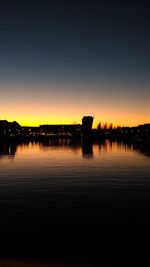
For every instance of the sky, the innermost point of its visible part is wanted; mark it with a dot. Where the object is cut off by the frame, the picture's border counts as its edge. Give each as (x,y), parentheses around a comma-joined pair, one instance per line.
(61,60)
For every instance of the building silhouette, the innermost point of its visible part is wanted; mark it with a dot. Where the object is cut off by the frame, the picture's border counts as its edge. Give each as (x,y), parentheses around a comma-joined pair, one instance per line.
(87,122)
(68,129)
(9,128)
(60,129)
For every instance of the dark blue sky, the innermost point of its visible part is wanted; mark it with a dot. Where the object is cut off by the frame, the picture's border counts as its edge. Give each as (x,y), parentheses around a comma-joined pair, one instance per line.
(95,52)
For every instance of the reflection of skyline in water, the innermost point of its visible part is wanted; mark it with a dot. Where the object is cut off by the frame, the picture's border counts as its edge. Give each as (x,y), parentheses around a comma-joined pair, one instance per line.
(71,183)
(10,150)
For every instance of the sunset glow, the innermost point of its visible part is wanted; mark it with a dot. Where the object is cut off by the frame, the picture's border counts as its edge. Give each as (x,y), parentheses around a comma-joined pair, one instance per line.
(32,106)
(55,72)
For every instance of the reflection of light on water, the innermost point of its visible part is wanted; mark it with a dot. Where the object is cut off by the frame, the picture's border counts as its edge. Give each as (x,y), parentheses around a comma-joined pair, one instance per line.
(29,147)
(66,149)
(112,147)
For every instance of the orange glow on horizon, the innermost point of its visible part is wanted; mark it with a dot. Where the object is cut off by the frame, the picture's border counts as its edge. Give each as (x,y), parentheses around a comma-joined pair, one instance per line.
(35,115)
(37,109)
(39,120)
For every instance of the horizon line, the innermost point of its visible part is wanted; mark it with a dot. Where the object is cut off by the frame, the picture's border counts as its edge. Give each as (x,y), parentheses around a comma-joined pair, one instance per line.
(103,123)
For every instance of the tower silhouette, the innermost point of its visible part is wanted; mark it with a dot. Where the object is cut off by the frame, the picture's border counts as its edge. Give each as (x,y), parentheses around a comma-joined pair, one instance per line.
(87,122)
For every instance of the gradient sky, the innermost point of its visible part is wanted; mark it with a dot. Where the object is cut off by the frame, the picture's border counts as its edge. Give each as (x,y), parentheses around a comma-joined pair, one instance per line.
(60,60)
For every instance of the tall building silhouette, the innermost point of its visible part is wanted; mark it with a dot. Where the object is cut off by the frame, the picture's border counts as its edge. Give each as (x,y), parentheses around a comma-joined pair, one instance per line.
(87,122)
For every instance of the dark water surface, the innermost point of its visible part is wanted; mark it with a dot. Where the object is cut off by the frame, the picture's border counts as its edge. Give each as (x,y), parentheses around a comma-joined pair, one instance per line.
(67,201)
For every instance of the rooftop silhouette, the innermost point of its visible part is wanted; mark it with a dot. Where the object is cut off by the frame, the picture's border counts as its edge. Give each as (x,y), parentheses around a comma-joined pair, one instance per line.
(12,130)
